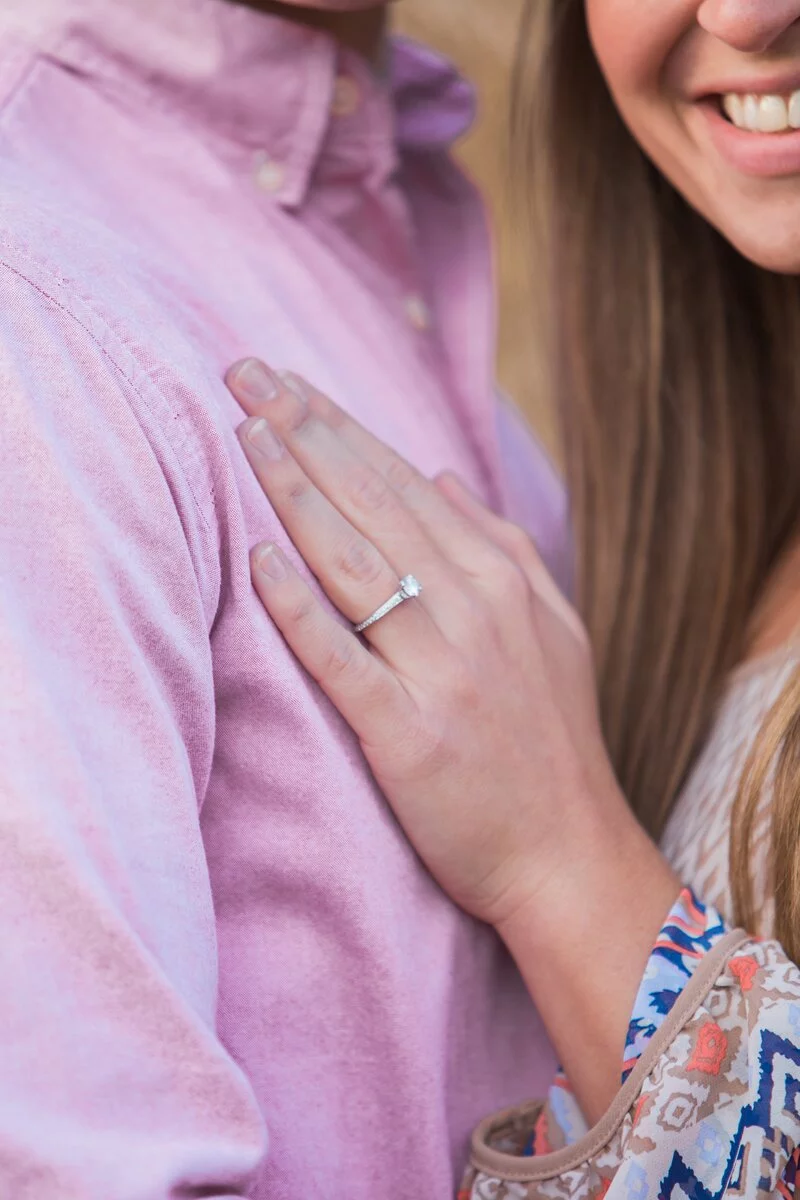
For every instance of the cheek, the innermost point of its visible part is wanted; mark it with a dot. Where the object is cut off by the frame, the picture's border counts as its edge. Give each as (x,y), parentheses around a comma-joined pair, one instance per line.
(635,40)
(642,47)
(647,51)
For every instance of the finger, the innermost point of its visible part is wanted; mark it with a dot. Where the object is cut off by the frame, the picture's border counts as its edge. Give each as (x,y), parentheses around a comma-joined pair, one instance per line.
(362,497)
(338,452)
(352,571)
(514,542)
(369,697)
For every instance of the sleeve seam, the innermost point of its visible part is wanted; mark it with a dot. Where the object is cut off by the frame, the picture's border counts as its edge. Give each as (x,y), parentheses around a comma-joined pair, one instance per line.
(117,367)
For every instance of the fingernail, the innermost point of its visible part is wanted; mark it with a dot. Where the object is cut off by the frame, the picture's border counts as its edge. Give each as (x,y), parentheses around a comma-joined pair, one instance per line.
(266,443)
(255,381)
(269,561)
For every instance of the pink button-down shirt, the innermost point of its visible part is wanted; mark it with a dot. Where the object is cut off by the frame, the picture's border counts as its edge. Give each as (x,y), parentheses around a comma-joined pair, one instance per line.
(224,971)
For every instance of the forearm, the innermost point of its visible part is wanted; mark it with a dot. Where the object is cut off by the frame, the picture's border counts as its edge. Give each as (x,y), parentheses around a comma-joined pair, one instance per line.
(709,1106)
(583,939)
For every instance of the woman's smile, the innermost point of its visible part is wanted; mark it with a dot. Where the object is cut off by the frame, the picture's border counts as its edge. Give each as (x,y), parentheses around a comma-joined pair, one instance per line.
(756,135)
(754,120)
(770,113)
(712,94)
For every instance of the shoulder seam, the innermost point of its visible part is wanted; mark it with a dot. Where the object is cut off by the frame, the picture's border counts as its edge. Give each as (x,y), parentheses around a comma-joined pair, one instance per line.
(126,376)
(208,581)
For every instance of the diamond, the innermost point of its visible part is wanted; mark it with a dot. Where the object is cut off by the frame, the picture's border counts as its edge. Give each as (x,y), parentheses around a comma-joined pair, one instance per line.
(410,587)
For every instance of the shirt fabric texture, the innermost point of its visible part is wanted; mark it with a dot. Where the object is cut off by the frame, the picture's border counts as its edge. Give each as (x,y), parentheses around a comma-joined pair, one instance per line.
(225,972)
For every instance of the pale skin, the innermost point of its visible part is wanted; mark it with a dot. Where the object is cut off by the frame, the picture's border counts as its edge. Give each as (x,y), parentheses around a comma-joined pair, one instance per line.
(661,60)
(475,708)
(475,704)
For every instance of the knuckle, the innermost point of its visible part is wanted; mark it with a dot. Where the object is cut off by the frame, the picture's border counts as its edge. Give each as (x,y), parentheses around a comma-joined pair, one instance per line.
(510,582)
(298,420)
(340,659)
(521,549)
(432,752)
(479,624)
(302,610)
(369,491)
(462,685)
(400,475)
(359,563)
(423,744)
(517,541)
(477,618)
(334,416)
(296,493)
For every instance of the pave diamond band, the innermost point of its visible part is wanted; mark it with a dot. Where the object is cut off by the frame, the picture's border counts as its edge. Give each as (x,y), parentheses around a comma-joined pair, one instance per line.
(409,589)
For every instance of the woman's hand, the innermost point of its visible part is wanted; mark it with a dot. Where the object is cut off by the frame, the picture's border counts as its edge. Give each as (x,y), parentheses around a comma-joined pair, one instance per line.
(475,704)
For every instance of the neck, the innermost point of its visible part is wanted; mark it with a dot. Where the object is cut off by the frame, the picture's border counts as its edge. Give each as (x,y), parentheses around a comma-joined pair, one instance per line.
(361,31)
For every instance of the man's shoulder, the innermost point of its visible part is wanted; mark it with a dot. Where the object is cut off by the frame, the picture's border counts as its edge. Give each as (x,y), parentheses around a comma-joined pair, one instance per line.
(81,370)
(86,268)
(74,291)
(92,275)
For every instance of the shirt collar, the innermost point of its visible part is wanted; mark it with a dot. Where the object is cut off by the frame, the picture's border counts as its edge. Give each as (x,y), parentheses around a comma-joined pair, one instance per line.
(434,104)
(261,83)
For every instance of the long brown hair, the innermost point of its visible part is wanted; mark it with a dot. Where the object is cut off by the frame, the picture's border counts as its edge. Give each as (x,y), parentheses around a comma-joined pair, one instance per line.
(674,365)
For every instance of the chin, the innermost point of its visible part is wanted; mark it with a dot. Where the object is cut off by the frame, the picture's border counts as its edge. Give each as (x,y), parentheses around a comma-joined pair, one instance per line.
(767,235)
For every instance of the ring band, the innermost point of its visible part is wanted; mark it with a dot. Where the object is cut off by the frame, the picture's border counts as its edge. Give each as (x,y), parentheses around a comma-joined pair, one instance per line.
(409,589)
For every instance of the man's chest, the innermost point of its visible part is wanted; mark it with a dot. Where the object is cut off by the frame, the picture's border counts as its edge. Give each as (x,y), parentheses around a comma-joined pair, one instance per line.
(369,1015)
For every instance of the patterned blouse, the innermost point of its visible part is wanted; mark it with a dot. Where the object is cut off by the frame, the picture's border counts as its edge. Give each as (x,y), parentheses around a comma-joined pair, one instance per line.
(709,1102)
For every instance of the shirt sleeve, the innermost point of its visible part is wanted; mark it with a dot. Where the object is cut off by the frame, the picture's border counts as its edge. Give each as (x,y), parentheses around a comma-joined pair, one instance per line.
(709,1098)
(113,1084)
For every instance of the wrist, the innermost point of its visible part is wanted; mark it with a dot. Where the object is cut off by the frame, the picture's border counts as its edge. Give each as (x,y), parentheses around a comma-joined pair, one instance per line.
(582,933)
(587,882)
(587,835)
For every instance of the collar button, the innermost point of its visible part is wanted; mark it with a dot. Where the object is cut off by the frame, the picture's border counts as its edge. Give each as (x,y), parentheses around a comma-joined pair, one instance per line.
(270,175)
(418,314)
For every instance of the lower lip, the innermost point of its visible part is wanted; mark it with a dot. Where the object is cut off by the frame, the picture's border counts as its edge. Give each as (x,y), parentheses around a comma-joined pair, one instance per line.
(764,154)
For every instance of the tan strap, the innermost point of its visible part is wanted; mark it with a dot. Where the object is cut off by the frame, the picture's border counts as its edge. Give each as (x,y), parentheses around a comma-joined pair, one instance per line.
(513,1168)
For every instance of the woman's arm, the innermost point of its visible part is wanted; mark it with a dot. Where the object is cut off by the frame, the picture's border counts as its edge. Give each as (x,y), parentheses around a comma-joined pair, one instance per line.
(583,940)
(709,1104)
(475,706)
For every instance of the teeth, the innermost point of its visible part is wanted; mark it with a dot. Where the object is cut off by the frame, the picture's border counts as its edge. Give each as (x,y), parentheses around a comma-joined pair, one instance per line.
(773,115)
(751,113)
(794,111)
(763,114)
(734,108)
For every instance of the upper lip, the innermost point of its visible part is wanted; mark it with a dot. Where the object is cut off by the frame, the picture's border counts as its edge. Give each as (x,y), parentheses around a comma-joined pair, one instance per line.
(768,85)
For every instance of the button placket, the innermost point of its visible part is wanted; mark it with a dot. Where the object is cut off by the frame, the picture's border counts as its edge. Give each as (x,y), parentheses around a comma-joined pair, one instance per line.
(346,97)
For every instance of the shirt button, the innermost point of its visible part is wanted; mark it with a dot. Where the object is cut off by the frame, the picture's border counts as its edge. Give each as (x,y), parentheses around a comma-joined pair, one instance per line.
(418,313)
(346,97)
(270,175)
